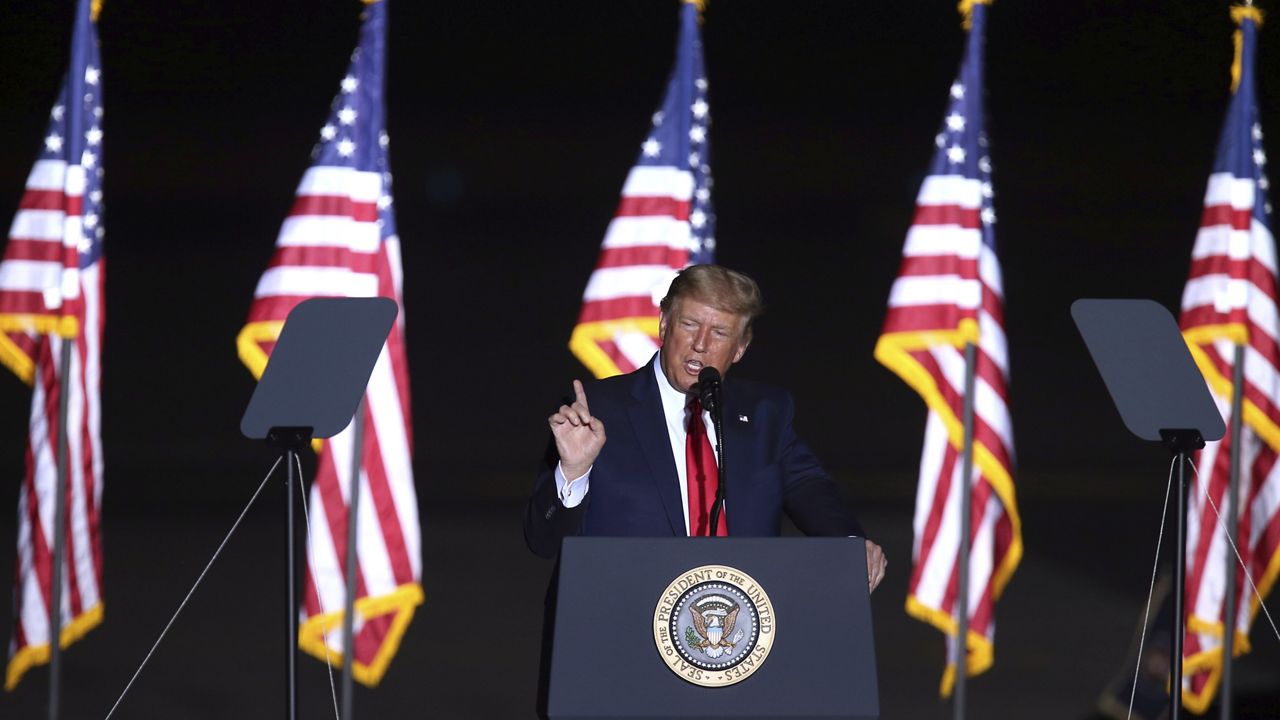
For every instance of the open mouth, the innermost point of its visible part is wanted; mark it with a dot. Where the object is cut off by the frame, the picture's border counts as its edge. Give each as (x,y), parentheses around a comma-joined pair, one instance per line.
(693,367)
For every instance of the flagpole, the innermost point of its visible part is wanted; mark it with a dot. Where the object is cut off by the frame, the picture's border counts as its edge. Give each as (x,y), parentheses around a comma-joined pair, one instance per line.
(353,519)
(67,345)
(961,653)
(73,152)
(1233,522)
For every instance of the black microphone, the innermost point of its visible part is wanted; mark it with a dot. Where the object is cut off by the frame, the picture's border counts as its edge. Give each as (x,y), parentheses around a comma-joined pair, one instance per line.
(709,389)
(709,395)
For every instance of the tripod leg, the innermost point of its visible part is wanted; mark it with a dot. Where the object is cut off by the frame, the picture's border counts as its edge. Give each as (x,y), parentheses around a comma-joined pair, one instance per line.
(291,573)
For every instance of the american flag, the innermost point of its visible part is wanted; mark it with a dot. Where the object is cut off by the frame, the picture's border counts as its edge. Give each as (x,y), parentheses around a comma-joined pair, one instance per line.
(664,222)
(1230,298)
(340,240)
(51,292)
(948,293)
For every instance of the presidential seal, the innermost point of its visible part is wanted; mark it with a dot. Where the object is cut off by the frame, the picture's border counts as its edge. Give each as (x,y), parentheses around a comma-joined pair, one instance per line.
(714,626)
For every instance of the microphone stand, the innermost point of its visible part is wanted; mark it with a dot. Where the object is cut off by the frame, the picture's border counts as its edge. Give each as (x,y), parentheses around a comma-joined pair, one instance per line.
(717,506)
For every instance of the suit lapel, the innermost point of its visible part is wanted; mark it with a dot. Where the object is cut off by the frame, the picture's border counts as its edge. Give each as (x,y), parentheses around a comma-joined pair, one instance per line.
(650,426)
(736,439)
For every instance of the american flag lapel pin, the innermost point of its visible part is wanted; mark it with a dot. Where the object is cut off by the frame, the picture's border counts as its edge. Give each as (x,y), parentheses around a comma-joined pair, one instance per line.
(743,418)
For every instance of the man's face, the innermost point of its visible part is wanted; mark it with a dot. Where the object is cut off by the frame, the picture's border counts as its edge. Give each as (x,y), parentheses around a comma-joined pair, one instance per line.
(694,336)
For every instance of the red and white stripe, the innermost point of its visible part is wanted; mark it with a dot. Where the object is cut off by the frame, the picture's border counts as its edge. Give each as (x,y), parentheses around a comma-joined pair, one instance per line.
(646,244)
(40,277)
(329,246)
(1232,284)
(949,280)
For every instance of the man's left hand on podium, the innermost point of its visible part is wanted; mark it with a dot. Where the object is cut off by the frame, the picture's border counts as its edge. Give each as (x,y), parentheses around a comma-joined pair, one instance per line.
(876,565)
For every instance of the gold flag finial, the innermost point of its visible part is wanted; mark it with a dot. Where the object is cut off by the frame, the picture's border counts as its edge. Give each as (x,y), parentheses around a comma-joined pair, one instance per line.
(701,5)
(95,9)
(966,11)
(1240,13)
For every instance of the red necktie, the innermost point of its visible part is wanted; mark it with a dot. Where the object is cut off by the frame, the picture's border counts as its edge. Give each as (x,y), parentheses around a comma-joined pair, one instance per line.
(702,474)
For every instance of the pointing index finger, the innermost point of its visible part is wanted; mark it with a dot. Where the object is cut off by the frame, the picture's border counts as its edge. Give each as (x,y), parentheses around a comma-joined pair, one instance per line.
(580,395)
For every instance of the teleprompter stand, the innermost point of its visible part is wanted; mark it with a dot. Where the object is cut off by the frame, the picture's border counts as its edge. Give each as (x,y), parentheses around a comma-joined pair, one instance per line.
(1161,397)
(310,389)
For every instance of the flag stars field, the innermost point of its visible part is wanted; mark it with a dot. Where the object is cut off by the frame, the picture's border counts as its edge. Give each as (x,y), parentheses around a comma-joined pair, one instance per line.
(328,132)
(651,147)
(53,143)
(349,84)
(955,122)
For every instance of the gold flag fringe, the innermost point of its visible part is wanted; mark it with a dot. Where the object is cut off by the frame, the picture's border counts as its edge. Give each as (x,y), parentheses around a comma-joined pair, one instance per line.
(966,10)
(1240,13)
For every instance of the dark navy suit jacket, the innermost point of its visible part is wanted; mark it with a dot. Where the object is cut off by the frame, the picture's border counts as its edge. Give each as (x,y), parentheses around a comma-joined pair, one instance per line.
(634,487)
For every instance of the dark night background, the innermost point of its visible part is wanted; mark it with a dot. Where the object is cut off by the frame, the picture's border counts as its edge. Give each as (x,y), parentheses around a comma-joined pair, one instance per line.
(513,126)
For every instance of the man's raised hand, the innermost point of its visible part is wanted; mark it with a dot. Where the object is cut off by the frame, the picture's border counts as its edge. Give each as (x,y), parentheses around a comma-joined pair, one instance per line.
(579,436)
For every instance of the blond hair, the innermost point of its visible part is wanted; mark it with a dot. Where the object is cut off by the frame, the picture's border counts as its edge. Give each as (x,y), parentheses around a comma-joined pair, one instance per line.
(721,288)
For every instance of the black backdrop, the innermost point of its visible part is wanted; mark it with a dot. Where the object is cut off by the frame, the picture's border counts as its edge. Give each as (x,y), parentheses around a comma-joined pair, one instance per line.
(512,126)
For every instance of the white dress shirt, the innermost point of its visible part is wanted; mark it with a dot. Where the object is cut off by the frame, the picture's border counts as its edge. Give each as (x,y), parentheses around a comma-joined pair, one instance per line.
(675,410)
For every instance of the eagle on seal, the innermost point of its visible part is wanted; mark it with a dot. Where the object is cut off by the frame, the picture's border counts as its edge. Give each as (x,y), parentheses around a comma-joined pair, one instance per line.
(713,619)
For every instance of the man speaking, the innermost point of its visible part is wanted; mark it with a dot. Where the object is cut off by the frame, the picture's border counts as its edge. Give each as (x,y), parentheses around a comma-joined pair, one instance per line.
(655,472)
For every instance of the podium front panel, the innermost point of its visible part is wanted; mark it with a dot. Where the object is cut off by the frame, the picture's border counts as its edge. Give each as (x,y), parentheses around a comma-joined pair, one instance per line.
(606,658)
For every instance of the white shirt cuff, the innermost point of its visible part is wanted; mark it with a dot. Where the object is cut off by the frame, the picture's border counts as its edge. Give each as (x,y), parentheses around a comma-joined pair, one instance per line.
(571,492)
